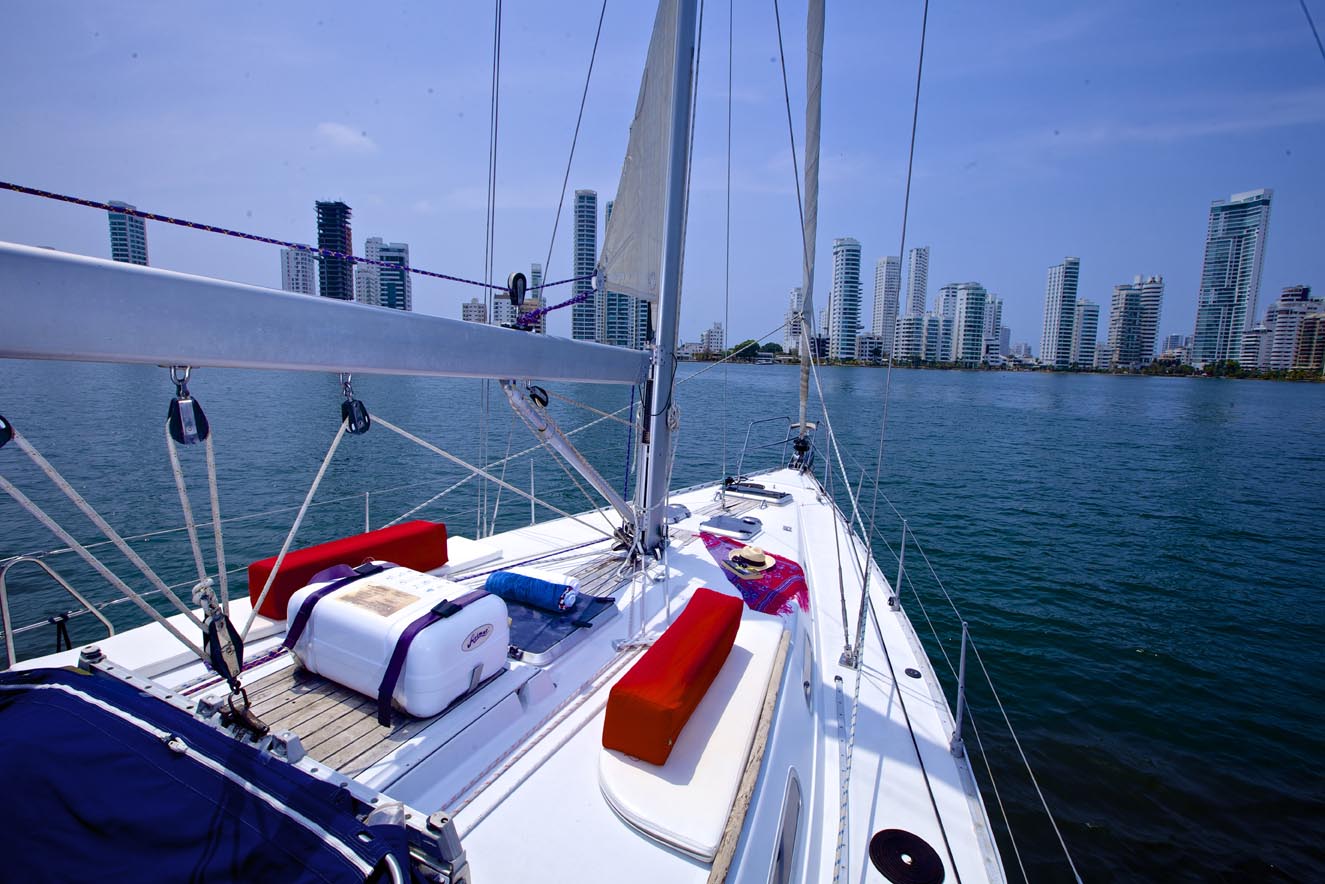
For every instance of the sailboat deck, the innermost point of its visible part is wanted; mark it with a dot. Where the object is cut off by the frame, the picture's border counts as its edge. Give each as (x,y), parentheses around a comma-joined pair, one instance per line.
(521,754)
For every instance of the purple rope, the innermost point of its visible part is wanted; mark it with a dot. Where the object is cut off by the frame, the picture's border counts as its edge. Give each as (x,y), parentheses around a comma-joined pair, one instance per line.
(528,319)
(327,253)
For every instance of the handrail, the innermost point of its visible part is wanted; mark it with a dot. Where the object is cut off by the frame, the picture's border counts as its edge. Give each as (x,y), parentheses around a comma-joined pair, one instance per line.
(750,428)
(10,656)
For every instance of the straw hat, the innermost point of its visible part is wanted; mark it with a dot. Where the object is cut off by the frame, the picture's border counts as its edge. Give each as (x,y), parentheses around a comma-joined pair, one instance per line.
(750,558)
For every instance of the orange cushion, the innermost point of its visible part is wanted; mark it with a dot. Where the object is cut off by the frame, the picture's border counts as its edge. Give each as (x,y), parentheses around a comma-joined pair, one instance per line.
(419,545)
(649,706)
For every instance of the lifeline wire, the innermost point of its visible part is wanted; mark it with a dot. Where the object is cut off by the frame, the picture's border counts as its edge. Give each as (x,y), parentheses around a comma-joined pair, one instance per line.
(300,247)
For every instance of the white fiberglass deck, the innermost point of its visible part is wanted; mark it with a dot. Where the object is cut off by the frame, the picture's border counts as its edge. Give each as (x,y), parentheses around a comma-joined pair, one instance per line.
(518,763)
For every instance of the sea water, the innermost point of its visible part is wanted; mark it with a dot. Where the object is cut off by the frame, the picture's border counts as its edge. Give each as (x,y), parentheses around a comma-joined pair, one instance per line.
(1138,559)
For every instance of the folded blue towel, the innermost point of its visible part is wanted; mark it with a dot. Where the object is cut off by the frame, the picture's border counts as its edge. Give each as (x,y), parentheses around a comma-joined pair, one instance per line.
(531,591)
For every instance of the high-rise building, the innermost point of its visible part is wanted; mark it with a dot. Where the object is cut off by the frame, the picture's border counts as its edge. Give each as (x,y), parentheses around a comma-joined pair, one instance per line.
(128,236)
(712,340)
(1256,345)
(1272,344)
(1004,336)
(298,272)
(584,324)
(1152,303)
(1310,354)
(969,303)
(1134,320)
(1230,274)
(945,303)
(1086,330)
(335,276)
(844,300)
(1173,343)
(1060,310)
(396,290)
(917,281)
(474,310)
(791,330)
(909,343)
(368,277)
(994,348)
(937,338)
(887,291)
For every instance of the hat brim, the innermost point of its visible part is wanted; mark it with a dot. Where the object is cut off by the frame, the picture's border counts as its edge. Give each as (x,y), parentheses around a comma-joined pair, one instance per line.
(742,564)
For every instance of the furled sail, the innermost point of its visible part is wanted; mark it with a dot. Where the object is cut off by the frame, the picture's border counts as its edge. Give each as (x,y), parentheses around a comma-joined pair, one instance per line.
(814,82)
(632,245)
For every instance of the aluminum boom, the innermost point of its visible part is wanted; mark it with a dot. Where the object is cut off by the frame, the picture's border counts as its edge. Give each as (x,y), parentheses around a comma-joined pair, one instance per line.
(61,306)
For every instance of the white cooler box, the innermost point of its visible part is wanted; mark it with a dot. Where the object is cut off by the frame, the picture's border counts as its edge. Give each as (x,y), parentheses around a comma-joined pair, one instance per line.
(353,631)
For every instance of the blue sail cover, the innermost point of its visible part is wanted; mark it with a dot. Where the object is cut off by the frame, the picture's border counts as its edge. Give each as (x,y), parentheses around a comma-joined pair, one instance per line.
(93,792)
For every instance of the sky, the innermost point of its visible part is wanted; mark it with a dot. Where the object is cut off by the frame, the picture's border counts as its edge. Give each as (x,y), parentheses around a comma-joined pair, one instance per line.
(1045,129)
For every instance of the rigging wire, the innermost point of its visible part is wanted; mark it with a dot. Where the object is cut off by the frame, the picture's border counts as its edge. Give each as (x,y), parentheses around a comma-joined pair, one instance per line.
(565,180)
(727,259)
(489,231)
(1312,24)
(901,252)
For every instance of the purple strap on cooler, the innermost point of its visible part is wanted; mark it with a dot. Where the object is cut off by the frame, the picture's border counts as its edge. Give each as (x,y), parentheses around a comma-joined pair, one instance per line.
(306,609)
(397,664)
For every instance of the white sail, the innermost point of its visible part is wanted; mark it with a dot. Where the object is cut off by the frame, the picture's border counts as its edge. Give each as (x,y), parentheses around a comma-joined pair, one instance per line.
(814,82)
(632,245)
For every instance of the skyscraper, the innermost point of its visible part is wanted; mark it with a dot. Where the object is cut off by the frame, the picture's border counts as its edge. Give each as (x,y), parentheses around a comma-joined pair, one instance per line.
(1060,309)
(584,315)
(995,348)
(968,323)
(1134,321)
(791,334)
(396,290)
(1085,333)
(945,303)
(887,292)
(1284,320)
(1230,274)
(1152,303)
(298,271)
(917,281)
(368,277)
(128,236)
(335,276)
(844,300)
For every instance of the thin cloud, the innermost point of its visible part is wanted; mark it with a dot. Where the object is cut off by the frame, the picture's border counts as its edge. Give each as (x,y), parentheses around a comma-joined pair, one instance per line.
(345,138)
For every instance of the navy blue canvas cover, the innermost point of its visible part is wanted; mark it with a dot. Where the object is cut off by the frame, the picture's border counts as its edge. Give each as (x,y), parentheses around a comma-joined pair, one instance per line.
(93,792)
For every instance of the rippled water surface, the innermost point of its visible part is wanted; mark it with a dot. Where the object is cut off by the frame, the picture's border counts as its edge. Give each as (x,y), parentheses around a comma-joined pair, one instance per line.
(1139,559)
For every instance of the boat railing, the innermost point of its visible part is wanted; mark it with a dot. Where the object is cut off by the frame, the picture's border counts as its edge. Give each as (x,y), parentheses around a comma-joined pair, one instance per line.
(100,610)
(903,553)
(60,621)
(782,443)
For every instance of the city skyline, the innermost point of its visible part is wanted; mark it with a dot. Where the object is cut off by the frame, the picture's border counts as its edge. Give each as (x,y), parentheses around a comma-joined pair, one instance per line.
(1066,166)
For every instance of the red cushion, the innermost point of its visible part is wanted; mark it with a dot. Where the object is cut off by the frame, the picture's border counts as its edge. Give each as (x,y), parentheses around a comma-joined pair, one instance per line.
(419,545)
(649,706)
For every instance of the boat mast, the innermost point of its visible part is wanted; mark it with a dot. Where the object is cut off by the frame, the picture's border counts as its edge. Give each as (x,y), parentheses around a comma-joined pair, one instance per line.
(814,77)
(658,427)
